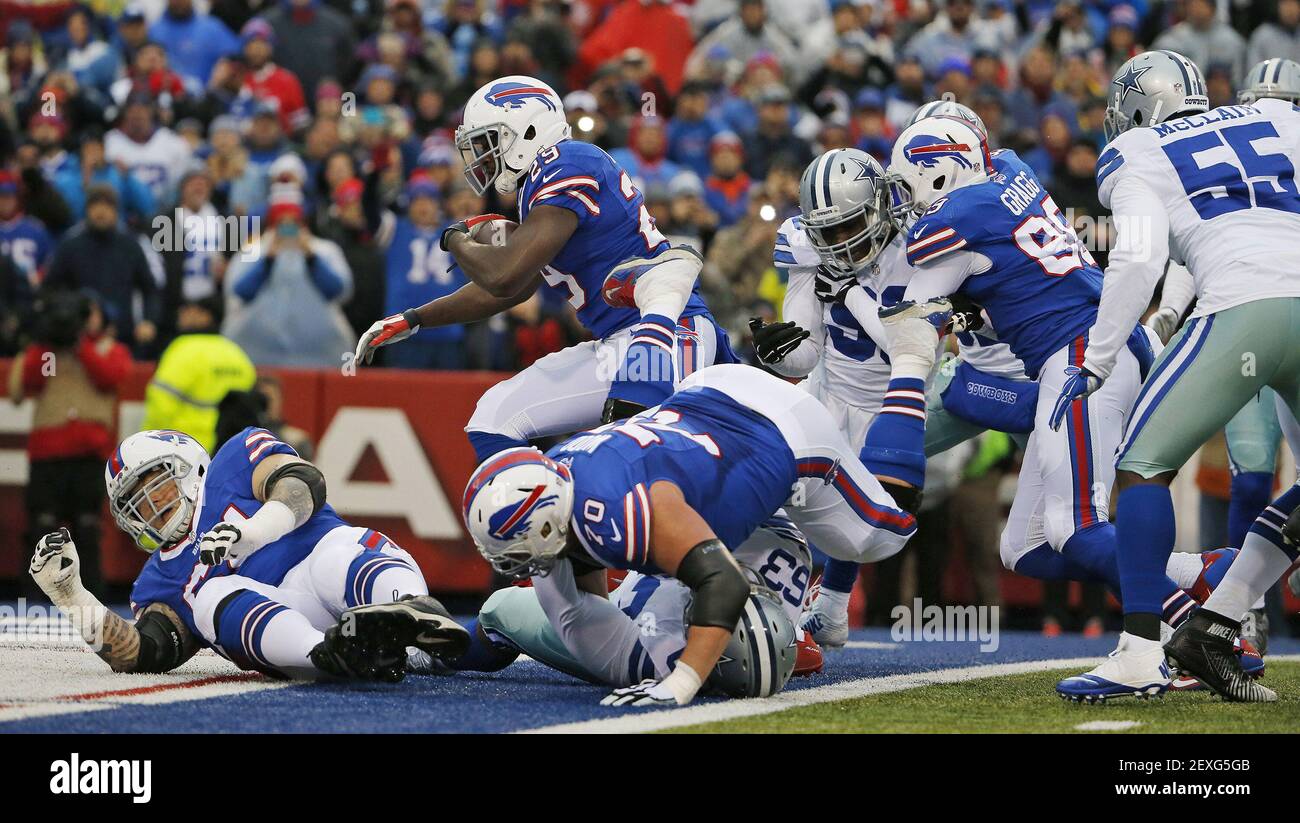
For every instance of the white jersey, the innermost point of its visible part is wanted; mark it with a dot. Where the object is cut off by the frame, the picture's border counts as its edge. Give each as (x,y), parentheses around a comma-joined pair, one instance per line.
(1226,180)
(846,353)
(158,162)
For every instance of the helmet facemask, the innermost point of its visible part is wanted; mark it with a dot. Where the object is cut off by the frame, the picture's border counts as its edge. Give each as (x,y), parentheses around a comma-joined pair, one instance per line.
(483,150)
(850,240)
(154,515)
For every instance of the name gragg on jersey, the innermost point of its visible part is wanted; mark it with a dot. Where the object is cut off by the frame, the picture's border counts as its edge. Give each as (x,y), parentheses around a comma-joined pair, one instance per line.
(1021,193)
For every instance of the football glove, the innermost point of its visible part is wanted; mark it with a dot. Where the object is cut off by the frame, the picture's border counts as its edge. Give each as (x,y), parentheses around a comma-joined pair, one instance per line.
(222,542)
(385,332)
(55,566)
(1081,383)
(966,314)
(465,227)
(830,285)
(646,693)
(1164,323)
(774,341)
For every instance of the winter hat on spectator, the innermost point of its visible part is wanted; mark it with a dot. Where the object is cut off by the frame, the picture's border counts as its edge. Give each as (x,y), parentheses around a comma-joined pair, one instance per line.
(348,192)
(1123,15)
(133,13)
(954,63)
(869,99)
(20,31)
(257,29)
(373,72)
(437,151)
(8,183)
(285,166)
(285,201)
(101,193)
(773,94)
(421,185)
(685,184)
(328,90)
(223,122)
(726,140)
(580,100)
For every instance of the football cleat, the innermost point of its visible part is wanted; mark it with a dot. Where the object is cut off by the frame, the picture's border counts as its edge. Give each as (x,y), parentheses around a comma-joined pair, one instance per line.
(826,624)
(373,639)
(808,658)
(1205,647)
(338,655)
(1133,669)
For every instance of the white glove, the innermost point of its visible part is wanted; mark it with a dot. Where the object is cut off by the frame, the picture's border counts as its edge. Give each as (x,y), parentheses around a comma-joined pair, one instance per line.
(1164,323)
(677,689)
(384,332)
(56,568)
(225,541)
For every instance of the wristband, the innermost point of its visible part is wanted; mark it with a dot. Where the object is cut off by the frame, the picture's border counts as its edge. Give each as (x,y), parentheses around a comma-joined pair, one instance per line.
(684,682)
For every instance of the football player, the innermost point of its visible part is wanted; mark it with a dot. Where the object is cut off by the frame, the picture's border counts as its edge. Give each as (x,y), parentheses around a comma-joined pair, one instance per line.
(246,558)
(1215,189)
(672,489)
(585,233)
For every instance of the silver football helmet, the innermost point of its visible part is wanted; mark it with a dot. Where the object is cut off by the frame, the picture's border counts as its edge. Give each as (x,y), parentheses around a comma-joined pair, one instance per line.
(1150,89)
(760,656)
(947,108)
(1276,77)
(846,208)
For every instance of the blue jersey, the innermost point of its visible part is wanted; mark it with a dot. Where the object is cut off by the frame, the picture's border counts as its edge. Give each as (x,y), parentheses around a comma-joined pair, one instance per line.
(418,270)
(731,463)
(25,241)
(172,576)
(613,226)
(1043,287)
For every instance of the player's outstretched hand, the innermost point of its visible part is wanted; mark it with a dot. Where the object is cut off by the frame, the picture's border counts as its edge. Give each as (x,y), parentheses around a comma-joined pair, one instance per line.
(1078,385)
(55,566)
(774,341)
(222,542)
(386,332)
(645,693)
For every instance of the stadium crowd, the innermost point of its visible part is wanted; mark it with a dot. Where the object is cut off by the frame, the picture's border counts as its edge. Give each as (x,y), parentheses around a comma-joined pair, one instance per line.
(139,141)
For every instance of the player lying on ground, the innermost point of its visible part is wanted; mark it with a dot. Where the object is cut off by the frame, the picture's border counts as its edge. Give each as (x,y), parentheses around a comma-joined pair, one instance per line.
(1232,222)
(247,558)
(670,490)
(639,630)
(584,232)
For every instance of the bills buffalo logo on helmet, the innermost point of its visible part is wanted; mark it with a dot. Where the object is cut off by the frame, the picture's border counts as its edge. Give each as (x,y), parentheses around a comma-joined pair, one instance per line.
(512,521)
(512,95)
(926,150)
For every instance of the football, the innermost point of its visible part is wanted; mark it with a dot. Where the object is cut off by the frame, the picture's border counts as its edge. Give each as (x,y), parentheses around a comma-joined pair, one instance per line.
(493,232)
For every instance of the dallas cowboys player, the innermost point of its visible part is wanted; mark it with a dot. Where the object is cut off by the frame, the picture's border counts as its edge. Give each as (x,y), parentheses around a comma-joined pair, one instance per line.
(584,232)
(670,490)
(247,558)
(1215,189)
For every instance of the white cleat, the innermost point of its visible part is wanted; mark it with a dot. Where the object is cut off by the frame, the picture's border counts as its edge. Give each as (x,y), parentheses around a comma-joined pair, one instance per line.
(831,631)
(1136,668)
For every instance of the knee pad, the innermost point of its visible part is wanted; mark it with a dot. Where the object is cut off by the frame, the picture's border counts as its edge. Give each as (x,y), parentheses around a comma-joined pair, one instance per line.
(239,621)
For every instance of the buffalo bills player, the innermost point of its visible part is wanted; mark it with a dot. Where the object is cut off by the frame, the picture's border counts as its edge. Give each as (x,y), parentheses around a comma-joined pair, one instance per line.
(247,558)
(672,490)
(585,233)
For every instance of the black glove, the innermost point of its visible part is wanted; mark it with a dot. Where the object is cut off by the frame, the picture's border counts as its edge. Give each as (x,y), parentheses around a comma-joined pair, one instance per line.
(966,314)
(830,285)
(773,341)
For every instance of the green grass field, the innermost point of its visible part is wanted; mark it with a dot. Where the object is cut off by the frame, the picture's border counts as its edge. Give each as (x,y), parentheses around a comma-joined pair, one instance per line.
(1027,703)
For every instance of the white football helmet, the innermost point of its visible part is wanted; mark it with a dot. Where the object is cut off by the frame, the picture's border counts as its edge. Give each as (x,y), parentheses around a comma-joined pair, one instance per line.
(517,507)
(934,156)
(137,477)
(946,108)
(507,123)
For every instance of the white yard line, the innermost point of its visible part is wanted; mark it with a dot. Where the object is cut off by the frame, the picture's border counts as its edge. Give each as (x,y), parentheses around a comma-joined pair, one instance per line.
(631,721)
(1108,725)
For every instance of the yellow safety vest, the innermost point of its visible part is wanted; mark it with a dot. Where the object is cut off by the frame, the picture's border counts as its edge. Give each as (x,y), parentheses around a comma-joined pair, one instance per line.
(193,375)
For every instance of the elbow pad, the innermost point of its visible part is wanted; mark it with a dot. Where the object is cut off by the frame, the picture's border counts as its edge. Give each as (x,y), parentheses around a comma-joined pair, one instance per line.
(162,648)
(305,472)
(719,586)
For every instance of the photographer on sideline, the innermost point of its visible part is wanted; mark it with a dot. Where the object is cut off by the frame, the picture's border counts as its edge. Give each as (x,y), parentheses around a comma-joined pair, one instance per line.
(72,369)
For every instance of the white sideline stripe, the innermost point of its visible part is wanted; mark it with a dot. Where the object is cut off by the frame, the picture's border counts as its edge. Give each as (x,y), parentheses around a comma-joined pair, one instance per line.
(633,720)
(1107,725)
(871,644)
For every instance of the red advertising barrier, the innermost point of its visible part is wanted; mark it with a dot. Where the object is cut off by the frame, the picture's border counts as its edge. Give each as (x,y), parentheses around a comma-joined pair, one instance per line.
(391,445)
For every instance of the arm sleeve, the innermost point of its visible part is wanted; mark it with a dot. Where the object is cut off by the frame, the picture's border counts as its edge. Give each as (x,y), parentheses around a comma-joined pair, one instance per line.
(250,279)
(866,310)
(594,630)
(802,308)
(1136,263)
(1179,288)
(326,275)
(945,276)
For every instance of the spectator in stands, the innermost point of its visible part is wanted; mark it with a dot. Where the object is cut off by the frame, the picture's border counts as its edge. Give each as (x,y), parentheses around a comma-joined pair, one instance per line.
(15,305)
(726,190)
(952,33)
(907,93)
(345,223)
(132,32)
(656,26)
(690,220)
(92,62)
(192,271)
(747,35)
(645,158)
(312,40)
(774,135)
(154,154)
(195,41)
(72,369)
(1121,36)
(265,80)
(740,257)
(91,167)
(426,49)
(543,26)
(1037,92)
(23,239)
(195,372)
(1204,39)
(1279,37)
(284,292)
(22,65)
(100,256)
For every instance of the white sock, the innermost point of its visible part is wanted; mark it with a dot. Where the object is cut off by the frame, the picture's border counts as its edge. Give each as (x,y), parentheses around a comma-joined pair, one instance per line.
(395,582)
(1183,568)
(287,641)
(832,603)
(1257,567)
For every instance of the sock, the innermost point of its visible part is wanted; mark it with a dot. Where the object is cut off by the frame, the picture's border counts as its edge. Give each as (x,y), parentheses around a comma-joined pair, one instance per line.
(262,635)
(1145,531)
(486,444)
(1184,568)
(895,444)
(839,576)
(1178,606)
(1251,492)
(1093,549)
(483,654)
(1263,558)
(375,577)
(647,374)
